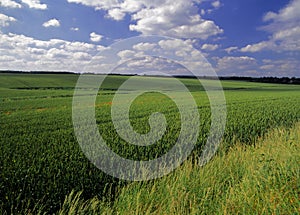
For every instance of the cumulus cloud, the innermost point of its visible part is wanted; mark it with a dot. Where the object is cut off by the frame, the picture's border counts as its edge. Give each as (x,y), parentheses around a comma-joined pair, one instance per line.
(144,46)
(259,46)
(10,4)
(284,29)
(26,53)
(116,14)
(95,37)
(165,17)
(177,19)
(284,67)
(241,65)
(6,20)
(103,4)
(176,44)
(248,66)
(35,4)
(240,62)
(151,65)
(51,23)
(216,4)
(154,55)
(126,54)
(183,52)
(231,49)
(288,13)
(210,47)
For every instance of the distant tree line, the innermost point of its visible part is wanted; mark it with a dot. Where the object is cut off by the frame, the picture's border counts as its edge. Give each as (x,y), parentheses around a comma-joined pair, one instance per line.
(36,72)
(281,80)
(277,80)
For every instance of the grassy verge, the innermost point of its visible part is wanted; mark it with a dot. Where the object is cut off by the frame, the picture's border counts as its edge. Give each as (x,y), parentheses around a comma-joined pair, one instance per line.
(261,179)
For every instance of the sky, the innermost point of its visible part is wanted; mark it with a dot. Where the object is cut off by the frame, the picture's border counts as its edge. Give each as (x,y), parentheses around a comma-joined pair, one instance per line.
(238,38)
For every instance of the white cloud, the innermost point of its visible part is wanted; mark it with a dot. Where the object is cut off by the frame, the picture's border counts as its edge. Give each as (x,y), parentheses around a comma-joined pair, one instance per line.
(216,4)
(52,23)
(26,53)
(176,44)
(150,65)
(126,54)
(95,37)
(116,14)
(144,46)
(82,56)
(258,46)
(284,29)
(284,67)
(74,29)
(6,58)
(248,66)
(241,62)
(183,52)
(231,49)
(286,14)
(103,4)
(230,65)
(292,33)
(10,4)
(137,58)
(5,20)
(210,47)
(178,18)
(132,6)
(35,4)
(74,46)
(269,16)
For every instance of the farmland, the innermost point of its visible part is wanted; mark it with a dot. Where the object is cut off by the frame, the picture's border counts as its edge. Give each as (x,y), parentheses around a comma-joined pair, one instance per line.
(42,163)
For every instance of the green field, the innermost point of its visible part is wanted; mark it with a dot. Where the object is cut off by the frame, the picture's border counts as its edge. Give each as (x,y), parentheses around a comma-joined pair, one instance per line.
(42,163)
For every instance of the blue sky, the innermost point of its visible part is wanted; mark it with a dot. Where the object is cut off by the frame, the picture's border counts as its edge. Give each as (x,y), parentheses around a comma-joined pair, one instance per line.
(245,38)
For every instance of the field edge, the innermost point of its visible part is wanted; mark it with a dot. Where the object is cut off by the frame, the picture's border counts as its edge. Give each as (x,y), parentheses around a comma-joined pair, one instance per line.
(265,181)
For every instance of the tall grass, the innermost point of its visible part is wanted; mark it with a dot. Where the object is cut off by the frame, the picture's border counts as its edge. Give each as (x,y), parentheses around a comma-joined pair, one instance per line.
(260,179)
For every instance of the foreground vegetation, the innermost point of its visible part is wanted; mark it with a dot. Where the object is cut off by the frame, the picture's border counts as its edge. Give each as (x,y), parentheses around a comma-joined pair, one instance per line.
(42,163)
(261,179)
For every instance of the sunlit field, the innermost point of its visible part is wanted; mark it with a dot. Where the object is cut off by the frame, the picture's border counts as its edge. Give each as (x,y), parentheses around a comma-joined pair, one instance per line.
(43,169)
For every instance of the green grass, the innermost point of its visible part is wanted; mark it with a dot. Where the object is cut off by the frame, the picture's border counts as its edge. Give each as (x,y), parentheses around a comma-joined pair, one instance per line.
(261,179)
(41,161)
